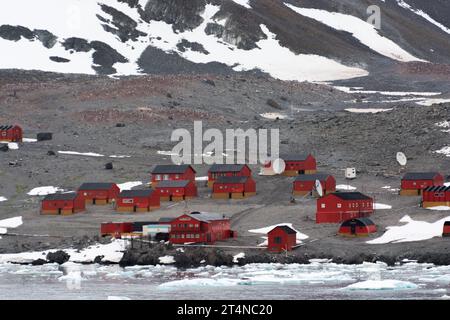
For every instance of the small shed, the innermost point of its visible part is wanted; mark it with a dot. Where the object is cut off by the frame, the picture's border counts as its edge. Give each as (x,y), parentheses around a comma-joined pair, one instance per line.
(62,204)
(172,172)
(299,163)
(358,227)
(99,193)
(144,200)
(281,238)
(227,170)
(11,133)
(176,190)
(305,184)
(233,188)
(414,182)
(446,231)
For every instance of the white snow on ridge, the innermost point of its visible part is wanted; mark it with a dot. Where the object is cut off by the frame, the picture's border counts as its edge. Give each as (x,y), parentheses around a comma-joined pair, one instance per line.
(430,102)
(77,18)
(3,199)
(411,231)
(366,33)
(244,3)
(386,93)
(43,191)
(445,151)
(424,15)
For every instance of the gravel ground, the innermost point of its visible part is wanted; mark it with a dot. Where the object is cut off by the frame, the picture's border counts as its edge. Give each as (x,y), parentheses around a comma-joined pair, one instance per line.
(82,112)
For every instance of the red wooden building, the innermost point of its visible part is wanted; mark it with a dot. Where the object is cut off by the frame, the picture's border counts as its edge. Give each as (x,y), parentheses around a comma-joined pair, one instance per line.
(299,164)
(359,227)
(341,206)
(176,190)
(306,184)
(233,188)
(227,170)
(99,193)
(116,229)
(11,133)
(172,172)
(446,229)
(414,182)
(199,227)
(63,204)
(138,201)
(281,239)
(436,196)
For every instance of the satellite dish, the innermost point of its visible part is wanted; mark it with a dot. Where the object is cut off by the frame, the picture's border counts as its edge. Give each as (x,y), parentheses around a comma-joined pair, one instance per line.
(319,188)
(278,166)
(401,158)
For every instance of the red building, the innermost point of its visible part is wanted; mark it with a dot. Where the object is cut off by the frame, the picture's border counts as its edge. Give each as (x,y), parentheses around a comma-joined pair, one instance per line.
(227,170)
(446,230)
(99,193)
(172,172)
(359,227)
(306,184)
(233,188)
(199,227)
(115,229)
(176,190)
(281,238)
(138,201)
(436,196)
(11,133)
(341,206)
(63,204)
(414,182)
(299,164)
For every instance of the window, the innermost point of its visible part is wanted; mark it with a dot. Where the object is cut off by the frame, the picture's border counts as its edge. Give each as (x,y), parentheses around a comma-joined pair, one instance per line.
(166,177)
(182,236)
(197,236)
(177,176)
(158,177)
(196,225)
(277,240)
(339,205)
(322,205)
(191,226)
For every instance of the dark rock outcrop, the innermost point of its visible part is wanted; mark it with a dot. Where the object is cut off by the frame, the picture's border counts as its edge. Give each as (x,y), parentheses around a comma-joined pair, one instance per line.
(58,257)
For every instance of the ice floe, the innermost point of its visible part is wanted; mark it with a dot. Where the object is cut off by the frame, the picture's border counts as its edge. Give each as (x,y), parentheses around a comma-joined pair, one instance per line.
(382,285)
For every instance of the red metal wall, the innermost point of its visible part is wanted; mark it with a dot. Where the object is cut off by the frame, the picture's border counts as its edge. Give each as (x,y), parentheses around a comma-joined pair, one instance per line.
(112,193)
(188,175)
(185,225)
(308,164)
(287,240)
(422,184)
(245,172)
(327,185)
(349,209)
(140,202)
(15,134)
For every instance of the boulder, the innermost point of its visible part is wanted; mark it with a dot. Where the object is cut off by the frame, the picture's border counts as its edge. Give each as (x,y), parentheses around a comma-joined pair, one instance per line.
(4,147)
(58,257)
(109,166)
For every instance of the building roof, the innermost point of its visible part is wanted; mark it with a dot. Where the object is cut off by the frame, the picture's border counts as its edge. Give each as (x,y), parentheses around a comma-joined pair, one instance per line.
(227,167)
(171,168)
(231,180)
(352,196)
(360,221)
(6,127)
(136,193)
(172,183)
(165,220)
(286,229)
(312,177)
(96,186)
(295,156)
(438,189)
(206,217)
(420,175)
(61,196)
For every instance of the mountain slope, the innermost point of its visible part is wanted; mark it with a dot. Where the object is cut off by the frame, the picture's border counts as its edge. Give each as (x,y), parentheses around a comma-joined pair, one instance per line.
(291,40)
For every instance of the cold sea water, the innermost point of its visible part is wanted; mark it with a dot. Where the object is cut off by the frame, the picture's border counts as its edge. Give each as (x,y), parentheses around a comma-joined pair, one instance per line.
(318,280)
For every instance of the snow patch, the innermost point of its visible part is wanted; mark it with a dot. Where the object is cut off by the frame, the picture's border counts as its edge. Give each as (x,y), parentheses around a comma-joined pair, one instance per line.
(13,146)
(356,110)
(345,187)
(381,206)
(238,256)
(30,140)
(430,102)
(87,154)
(411,231)
(244,3)
(129,185)
(273,116)
(445,151)
(3,199)
(118,298)
(43,191)
(439,208)
(166,260)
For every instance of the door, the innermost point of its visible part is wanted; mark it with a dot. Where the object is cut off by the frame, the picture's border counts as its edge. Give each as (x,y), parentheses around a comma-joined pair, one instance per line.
(230,195)
(135,208)
(208,237)
(301,172)
(93,201)
(59,211)
(353,229)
